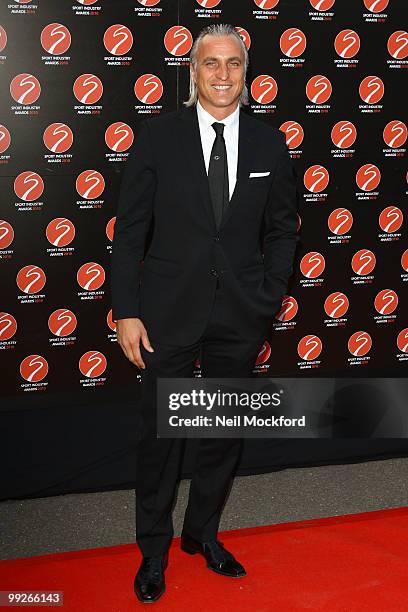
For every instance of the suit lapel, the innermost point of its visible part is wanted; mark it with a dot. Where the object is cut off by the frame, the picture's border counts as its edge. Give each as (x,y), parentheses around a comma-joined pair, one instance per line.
(193,154)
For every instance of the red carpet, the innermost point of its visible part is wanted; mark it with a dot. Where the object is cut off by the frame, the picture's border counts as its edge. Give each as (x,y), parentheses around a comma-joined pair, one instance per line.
(355,562)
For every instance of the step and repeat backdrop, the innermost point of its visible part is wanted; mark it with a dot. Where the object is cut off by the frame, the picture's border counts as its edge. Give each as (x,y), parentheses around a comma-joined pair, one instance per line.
(78,77)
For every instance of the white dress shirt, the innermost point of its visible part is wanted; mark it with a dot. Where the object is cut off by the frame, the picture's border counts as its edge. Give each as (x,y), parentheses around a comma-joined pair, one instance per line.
(231,130)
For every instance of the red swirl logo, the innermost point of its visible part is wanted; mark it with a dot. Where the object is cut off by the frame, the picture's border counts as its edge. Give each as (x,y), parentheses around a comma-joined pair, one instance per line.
(208,3)
(363,262)
(90,184)
(118,39)
(25,88)
(359,343)
(264,354)
(288,310)
(6,234)
(322,5)
(397,44)
(88,88)
(62,322)
(292,42)
(395,134)
(264,89)
(3,38)
(371,89)
(368,177)
(386,301)
(309,347)
(110,322)
(244,34)
(336,305)
(34,368)
(347,43)
(316,178)
(404,260)
(91,276)
(60,232)
(376,6)
(312,264)
(58,137)
(119,137)
(344,134)
(148,2)
(110,228)
(148,89)
(294,133)
(266,5)
(340,221)
(5,138)
(31,279)
(390,219)
(55,38)
(402,340)
(8,326)
(28,186)
(92,364)
(318,89)
(178,40)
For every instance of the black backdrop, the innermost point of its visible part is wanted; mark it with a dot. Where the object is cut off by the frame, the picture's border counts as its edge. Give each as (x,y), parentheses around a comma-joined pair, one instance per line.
(68,429)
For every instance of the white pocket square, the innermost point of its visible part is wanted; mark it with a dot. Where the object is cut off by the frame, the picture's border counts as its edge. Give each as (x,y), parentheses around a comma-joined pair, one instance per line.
(257,174)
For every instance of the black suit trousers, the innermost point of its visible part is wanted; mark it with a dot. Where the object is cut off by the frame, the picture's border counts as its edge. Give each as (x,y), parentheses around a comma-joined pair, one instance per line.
(224,352)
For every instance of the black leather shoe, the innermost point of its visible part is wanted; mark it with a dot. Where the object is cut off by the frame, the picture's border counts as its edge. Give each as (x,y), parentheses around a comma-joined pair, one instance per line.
(149,582)
(218,558)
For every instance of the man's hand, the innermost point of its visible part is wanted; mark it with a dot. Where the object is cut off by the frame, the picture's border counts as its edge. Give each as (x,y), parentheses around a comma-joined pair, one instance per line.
(129,333)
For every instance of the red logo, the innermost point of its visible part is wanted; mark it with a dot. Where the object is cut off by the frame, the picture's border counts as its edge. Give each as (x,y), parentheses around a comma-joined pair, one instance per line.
(266,5)
(336,304)
(309,347)
(25,88)
(316,178)
(368,177)
(178,40)
(148,2)
(395,134)
(288,310)
(292,42)
(376,6)
(312,264)
(28,186)
(60,232)
(58,137)
(62,322)
(56,38)
(87,2)
(244,34)
(263,354)
(91,276)
(3,38)
(386,301)
(264,89)
(8,326)
(119,136)
(110,228)
(402,340)
(208,3)
(148,89)
(90,184)
(293,132)
(34,368)
(322,5)
(6,234)
(371,89)
(31,279)
(88,89)
(404,260)
(359,343)
(318,89)
(397,44)
(344,134)
(118,39)
(390,219)
(5,139)
(92,364)
(363,262)
(347,43)
(340,221)
(110,322)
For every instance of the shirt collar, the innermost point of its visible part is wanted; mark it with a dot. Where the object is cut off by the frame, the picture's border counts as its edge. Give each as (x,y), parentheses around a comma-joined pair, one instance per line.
(206,119)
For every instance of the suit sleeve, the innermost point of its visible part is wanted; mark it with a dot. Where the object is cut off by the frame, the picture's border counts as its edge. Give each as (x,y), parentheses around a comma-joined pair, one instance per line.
(133,218)
(280,229)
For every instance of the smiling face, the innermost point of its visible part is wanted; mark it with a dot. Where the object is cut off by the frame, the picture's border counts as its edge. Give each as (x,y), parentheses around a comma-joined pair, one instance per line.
(219,74)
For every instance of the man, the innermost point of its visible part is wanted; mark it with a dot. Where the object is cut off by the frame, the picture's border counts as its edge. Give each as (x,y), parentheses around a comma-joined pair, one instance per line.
(216,190)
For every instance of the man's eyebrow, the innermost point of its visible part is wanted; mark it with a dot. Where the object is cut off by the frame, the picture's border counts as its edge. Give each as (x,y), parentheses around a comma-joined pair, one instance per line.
(214,59)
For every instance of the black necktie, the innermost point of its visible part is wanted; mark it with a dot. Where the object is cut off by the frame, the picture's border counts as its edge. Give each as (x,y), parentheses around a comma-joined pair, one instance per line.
(218,174)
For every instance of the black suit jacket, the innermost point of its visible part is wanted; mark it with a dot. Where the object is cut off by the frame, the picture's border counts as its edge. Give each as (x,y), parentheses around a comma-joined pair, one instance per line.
(165,189)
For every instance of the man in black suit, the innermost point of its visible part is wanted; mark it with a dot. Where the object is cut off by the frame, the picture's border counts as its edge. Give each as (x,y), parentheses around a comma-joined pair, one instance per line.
(216,190)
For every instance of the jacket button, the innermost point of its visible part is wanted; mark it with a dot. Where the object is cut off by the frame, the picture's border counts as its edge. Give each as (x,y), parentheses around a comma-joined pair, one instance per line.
(214,272)
(216,238)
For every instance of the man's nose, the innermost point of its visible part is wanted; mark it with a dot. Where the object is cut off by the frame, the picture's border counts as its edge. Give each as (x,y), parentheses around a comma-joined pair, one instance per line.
(222,72)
